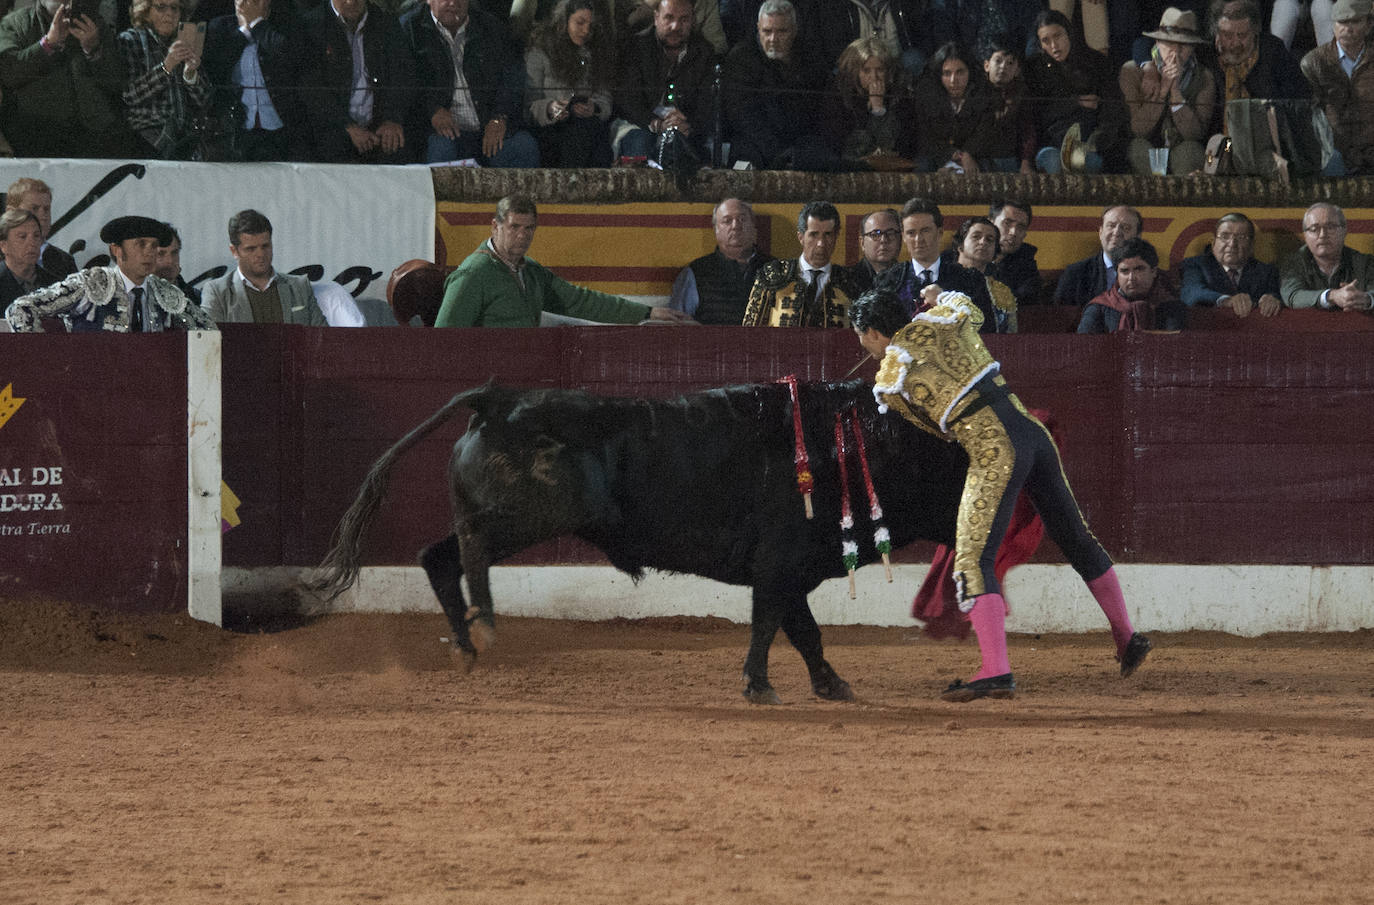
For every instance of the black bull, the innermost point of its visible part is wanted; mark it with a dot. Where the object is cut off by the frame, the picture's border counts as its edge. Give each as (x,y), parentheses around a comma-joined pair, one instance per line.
(703,484)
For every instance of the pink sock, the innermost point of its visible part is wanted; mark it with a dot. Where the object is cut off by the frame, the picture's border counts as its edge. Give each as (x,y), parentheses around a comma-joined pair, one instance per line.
(1107,591)
(989,618)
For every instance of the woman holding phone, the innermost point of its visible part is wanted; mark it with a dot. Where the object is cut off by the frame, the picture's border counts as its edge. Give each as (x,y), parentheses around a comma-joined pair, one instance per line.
(567,87)
(165,93)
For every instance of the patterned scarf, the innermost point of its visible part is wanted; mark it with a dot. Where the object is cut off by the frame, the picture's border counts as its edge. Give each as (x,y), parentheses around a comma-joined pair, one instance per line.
(1235,83)
(1236,75)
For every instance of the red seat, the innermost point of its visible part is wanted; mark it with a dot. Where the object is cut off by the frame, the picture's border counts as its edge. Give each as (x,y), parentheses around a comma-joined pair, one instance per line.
(416,288)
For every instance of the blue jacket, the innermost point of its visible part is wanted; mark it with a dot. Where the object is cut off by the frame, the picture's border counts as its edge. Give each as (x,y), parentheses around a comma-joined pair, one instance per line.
(1205,281)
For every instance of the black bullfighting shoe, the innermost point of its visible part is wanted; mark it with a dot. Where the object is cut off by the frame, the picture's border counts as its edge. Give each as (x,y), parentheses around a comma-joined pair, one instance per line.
(961,692)
(1134,654)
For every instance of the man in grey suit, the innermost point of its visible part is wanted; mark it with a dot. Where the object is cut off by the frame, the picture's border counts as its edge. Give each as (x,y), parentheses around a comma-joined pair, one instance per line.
(254,292)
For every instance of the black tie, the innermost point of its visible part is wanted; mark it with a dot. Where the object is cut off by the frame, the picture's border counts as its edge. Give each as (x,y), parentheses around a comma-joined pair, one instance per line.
(926,278)
(136,314)
(1235,277)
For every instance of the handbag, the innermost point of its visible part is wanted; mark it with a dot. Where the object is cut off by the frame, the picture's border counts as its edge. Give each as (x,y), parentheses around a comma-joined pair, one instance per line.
(1217,161)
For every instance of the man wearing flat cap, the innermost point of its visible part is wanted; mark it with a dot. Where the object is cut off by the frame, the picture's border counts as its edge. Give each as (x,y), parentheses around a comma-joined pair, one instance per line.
(125,297)
(1342,77)
(1171,98)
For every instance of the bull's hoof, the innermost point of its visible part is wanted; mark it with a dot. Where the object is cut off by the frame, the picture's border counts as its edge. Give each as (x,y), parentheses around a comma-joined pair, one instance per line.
(483,635)
(467,659)
(833,688)
(761,693)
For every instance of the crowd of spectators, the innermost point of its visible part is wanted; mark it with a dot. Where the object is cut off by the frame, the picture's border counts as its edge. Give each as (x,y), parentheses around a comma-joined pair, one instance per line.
(923,85)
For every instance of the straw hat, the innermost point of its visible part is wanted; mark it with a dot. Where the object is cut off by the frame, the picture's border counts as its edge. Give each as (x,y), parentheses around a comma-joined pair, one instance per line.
(1180,27)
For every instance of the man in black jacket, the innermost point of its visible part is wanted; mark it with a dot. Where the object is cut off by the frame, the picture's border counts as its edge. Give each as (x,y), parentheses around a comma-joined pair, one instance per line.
(922,230)
(1015,265)
(362,83)
(665,84)
(828,27)
(773,95)
(714,288)
(1083,281)
(475,116)
(252,60)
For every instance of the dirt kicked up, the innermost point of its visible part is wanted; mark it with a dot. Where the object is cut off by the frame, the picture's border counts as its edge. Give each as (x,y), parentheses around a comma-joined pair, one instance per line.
(157,760)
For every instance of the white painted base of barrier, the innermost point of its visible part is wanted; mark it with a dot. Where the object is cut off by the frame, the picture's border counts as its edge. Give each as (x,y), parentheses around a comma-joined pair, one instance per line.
(1241,600)
(203,449)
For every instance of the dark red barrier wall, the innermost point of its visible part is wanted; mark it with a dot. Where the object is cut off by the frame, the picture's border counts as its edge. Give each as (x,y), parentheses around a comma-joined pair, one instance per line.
(110,413)
(1208,447)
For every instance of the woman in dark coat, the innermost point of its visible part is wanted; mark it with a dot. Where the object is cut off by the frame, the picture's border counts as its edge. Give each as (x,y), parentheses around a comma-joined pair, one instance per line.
(1070,85)
(868,111)
(957,113)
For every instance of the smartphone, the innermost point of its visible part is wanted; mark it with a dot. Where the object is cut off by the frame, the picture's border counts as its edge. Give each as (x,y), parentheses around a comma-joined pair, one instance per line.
(193,33)
(88,8)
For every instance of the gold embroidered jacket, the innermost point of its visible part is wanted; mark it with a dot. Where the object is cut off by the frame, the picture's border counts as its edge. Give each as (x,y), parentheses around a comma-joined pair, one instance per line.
(933,363)
(781,297)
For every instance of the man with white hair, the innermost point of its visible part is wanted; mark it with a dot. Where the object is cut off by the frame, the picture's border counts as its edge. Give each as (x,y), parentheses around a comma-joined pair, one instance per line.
(1325,272)
(714,289)
(773,96)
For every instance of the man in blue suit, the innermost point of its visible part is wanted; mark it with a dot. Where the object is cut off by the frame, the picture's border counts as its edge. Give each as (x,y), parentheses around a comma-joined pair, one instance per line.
(1226,274)
(1083,281)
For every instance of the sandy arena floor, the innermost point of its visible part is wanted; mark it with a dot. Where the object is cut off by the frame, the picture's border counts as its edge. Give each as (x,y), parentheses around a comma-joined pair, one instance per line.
(157,760)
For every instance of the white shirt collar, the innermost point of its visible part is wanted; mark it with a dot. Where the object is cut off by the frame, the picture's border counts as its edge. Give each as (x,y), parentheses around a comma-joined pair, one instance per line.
(346,26)
(806,269)
(129,285)
(453,35)
(247,282)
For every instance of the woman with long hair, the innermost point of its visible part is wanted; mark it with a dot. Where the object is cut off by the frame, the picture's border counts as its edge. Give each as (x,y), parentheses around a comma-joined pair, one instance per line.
(165,93)
(1070,85)
(568,71)
(958,113)
(870,114)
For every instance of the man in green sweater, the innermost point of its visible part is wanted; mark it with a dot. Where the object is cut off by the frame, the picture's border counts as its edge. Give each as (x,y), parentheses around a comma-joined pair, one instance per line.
(497,286)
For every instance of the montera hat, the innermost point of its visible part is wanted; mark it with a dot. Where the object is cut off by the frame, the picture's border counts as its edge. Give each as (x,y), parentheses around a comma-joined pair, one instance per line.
(1177,26)
(121,229)
(1345,10)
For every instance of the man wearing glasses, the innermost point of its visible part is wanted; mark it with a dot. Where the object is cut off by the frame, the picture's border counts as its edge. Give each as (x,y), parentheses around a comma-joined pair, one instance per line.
(1227,275)
(880,237)
(1324,273)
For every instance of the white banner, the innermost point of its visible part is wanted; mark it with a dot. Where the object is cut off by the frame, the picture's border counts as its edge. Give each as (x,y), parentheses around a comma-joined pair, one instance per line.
(350,224)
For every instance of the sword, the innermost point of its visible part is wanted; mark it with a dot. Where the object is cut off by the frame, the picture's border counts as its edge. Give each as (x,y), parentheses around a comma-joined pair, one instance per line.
(861,362)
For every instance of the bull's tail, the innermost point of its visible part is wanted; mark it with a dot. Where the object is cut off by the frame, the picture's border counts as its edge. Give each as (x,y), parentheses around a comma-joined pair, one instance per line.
(340,565)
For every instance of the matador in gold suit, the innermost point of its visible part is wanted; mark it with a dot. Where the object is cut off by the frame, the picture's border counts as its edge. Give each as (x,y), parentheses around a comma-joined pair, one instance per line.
(783,297)
(937,373)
